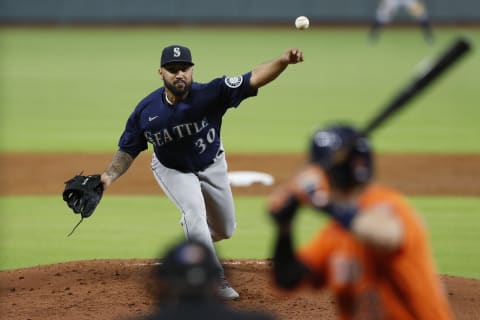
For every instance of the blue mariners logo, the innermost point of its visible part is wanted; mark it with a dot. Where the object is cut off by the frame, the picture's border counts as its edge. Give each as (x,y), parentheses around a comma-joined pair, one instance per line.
(234,82)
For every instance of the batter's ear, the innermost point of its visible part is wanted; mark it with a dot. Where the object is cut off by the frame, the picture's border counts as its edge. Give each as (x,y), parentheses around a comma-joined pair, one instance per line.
(160,73)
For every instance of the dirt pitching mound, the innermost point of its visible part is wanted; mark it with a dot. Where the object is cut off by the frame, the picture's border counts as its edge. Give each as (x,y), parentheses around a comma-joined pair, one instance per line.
(116,289)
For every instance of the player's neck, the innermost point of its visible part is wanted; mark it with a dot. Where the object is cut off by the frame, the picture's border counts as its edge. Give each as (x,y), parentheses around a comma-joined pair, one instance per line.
(173,99)
(346,197)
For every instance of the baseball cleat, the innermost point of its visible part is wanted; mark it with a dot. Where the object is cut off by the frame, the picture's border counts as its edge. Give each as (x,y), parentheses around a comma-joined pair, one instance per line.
(226,292)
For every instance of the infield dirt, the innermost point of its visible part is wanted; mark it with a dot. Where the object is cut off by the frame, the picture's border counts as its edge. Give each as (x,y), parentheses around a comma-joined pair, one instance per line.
(114,289)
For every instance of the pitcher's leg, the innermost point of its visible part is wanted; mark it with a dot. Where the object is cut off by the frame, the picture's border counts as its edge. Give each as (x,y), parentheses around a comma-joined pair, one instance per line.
(183,189)
(185,192)
(218,199)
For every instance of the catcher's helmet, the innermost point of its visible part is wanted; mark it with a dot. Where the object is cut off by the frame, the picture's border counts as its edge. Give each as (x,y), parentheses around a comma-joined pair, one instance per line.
(344,154)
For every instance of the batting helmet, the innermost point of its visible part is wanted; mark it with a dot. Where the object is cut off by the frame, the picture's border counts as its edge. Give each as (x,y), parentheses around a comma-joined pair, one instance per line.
(344,154)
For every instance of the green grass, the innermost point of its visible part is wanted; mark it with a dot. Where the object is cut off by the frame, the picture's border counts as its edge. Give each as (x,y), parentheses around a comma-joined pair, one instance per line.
(453,224)
(34,230)
(71,89)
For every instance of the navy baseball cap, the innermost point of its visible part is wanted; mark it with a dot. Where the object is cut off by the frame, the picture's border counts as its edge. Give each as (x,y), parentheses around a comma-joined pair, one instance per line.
(176,53)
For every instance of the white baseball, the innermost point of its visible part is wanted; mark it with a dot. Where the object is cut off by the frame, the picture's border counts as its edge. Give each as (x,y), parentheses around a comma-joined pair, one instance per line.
(302,23)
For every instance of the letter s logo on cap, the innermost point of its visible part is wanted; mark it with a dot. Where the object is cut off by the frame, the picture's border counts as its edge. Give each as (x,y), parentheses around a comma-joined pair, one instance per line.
(176,52)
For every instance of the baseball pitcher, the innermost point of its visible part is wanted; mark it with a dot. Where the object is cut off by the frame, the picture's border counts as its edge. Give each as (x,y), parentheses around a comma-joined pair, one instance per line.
(182,121)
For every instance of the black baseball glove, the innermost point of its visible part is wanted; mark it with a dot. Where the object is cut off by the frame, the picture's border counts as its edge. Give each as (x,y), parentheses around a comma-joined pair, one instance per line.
(83,193)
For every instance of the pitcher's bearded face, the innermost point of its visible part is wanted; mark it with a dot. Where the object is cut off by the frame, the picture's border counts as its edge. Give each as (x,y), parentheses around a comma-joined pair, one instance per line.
(177,77)
(178,87)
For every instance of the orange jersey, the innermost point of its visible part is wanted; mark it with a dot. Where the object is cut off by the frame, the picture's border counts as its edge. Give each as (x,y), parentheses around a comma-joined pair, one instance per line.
(369,285)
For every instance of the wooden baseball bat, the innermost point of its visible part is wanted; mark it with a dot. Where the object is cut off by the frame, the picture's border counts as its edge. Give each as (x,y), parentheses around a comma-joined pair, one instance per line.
(420,81)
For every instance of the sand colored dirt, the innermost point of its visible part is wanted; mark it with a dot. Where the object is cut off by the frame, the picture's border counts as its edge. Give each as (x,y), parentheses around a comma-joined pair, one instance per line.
(414,174)
(115,289)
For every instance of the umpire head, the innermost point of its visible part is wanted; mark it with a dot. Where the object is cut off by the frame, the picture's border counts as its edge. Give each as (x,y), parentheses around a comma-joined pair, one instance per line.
(187,271)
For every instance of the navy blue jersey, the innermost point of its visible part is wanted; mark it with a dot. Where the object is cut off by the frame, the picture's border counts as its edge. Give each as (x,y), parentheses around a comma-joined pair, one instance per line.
(185,136)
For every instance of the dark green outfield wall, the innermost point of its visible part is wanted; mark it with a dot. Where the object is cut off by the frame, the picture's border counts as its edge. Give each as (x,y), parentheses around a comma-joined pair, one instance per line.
(206,11)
